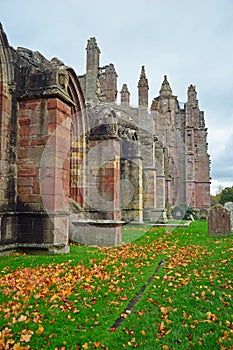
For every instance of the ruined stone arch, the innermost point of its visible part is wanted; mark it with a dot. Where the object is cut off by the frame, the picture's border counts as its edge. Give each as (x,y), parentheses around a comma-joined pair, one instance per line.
(78,132)
(7,124)
(74,90)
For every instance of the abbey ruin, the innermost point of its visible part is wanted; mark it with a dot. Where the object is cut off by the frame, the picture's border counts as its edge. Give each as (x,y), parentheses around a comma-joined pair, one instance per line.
(77,164)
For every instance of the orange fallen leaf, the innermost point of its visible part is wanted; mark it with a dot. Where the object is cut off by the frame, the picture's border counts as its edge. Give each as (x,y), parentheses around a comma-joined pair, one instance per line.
(169,266)
(211,316)
(161,327)
(22,318)
(40,330)
(25,337)
(165,310)
(113,330)
(17,346)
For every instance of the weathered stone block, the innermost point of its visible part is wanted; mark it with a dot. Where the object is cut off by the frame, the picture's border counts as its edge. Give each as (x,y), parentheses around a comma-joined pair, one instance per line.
(219,221)
(96,232)
(229,206)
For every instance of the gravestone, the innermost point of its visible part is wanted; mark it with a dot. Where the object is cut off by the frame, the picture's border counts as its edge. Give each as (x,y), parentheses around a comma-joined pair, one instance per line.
(219,223)
(203,214)
(229,206)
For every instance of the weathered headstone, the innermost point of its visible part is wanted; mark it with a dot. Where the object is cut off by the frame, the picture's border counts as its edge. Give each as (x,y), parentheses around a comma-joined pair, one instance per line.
(229,206)
(203,214)
(219,223)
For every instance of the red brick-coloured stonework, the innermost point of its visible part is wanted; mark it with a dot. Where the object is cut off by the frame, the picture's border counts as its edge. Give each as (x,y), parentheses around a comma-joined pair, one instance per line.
(76,163)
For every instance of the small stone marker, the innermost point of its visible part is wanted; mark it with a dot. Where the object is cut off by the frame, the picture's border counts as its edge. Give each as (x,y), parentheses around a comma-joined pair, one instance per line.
(229,206)
(203,214)
(219,223)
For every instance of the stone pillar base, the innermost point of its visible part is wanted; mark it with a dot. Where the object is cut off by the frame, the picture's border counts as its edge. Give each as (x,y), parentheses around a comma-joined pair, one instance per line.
(132,215)
(147,214)
(37,249)
(102,233)
(158,215)
(34,232)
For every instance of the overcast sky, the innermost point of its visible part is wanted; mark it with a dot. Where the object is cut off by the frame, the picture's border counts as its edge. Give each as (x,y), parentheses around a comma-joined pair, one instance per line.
(191,41)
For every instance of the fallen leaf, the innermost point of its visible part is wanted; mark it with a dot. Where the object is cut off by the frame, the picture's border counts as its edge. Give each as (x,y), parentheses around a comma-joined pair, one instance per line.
(113,330)
(164,310)
(25,337)
(40,330)
(22,318)
(17,346)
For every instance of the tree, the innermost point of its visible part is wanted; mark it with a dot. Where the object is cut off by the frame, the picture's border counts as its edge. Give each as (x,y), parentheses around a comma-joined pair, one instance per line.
(226,195)
(213,200)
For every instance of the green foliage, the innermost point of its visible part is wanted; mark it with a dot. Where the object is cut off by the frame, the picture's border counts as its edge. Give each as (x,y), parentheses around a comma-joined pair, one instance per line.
(226,195)
(214,200)
(223,195)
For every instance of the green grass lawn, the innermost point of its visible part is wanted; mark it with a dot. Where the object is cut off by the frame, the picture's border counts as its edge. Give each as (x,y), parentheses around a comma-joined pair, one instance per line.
(72,301)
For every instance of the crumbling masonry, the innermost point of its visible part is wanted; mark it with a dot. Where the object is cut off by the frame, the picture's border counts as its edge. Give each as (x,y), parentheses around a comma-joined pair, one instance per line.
(77,165)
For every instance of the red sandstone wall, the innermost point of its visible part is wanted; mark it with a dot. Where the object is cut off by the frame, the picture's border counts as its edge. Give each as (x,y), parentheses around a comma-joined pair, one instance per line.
(42,129)
(6,168)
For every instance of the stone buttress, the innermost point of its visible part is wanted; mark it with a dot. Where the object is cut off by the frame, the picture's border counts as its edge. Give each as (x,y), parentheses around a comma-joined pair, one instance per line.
(76,165)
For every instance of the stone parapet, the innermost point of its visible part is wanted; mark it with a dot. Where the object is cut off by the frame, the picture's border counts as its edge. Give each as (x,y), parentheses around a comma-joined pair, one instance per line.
(96,232)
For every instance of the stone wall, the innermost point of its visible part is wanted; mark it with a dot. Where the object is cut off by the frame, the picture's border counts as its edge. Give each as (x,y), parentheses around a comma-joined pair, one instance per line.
(73,159)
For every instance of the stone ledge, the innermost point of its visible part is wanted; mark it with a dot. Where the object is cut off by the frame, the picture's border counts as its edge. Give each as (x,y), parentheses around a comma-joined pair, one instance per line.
(43,213)
(102,233)
(43,248)
(172,225)
(97,222)
(49,91)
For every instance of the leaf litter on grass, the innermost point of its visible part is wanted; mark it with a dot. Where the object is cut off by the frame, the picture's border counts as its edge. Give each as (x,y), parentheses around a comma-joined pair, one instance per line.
(87,298)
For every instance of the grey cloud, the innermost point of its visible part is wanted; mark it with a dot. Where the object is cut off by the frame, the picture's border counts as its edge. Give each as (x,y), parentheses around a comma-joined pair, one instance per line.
(222,167)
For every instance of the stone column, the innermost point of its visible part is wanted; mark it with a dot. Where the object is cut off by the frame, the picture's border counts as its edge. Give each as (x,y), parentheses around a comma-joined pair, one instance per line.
(131,181)
(103,179)
(44,174)
(168,190)
(160,185)
(103,224)
(149,192)
(149,169)
(190,180)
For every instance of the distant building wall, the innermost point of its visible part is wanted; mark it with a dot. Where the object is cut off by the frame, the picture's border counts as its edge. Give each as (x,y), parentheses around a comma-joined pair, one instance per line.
(65,143)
